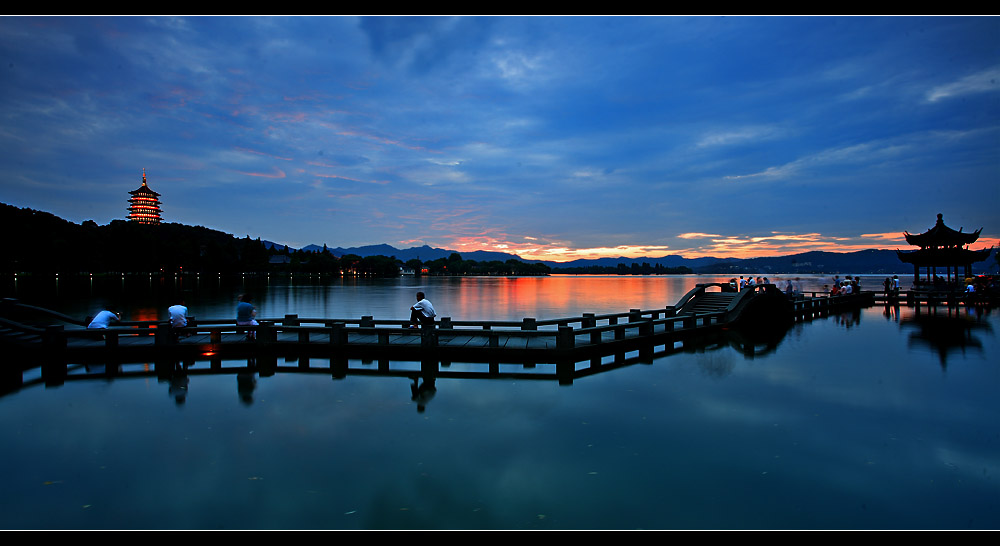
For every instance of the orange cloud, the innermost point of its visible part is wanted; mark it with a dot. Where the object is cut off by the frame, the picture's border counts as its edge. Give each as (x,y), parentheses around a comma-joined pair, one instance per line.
(698,235)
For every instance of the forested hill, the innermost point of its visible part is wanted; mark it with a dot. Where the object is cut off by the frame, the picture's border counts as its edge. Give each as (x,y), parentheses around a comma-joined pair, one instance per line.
(42,242)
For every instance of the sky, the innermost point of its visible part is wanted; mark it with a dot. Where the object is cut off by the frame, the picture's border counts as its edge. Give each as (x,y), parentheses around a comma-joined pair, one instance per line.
(552,138)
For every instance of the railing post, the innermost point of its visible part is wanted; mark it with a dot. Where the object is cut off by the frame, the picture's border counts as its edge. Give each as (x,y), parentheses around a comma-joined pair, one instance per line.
(646,337)
(446,323)
(634,315)
(588,321)
(265,332)
(367,322)
(163,334)
(290,320)
(565,339)
(529,324)
(338,336)
(428,335)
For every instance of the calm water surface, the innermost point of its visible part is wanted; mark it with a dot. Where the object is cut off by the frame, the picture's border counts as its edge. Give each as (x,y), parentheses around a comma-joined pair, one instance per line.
(883,418)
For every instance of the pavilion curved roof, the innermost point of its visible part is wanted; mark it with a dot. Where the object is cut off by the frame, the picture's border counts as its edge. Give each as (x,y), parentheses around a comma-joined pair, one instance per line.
(943,256)
(941,236)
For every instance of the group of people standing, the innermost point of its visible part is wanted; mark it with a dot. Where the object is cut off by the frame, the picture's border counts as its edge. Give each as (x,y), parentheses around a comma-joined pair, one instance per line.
(749,281)
(891,285)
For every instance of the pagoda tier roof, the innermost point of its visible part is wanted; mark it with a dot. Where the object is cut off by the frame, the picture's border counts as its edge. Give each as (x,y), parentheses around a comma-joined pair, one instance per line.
(944,256)
(942,236)
(144,190)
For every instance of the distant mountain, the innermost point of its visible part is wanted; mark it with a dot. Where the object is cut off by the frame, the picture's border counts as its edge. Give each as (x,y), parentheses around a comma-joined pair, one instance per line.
(665,261)
(863,261)
(423,253)
(870,261)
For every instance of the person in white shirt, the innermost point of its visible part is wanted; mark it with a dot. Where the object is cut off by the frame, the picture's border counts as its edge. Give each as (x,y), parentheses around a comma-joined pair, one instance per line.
(422,312)
(178,315)
(104,319)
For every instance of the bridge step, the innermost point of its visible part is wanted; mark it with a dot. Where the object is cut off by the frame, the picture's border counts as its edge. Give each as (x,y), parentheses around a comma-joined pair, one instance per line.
(712,302)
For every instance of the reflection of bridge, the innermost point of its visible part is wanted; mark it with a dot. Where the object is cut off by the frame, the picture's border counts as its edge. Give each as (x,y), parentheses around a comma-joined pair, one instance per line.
(563,342)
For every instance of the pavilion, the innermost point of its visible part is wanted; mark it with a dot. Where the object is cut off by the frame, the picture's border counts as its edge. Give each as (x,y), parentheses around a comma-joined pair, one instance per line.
(941,246)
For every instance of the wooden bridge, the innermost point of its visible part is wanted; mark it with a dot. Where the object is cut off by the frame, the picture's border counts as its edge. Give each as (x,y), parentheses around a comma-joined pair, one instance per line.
(563,341)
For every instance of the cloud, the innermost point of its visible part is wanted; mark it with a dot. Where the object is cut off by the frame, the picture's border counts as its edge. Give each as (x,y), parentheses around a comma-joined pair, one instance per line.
(980,82)
(278,173)
(735,136)
(697,235)
(272,156)
(872,152)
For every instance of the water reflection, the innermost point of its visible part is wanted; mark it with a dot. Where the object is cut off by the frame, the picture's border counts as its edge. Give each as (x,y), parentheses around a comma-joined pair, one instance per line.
(839,422)
(947,332)
(246,384)
(748,341)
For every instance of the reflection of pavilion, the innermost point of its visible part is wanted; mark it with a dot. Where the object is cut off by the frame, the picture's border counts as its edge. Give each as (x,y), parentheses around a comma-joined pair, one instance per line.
(945,333)
(942,246)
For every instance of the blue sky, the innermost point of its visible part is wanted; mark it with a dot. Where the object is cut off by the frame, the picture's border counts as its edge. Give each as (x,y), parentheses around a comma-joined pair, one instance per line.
(553,138)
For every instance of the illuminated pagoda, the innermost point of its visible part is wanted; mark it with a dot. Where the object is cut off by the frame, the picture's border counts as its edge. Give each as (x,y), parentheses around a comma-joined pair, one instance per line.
(144,205)
(941,246)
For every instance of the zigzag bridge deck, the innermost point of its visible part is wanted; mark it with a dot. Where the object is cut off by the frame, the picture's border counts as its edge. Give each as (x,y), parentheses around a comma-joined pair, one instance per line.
(563,341)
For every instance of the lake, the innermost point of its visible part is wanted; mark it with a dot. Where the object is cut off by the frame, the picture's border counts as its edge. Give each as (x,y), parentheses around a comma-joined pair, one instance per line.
(884,418)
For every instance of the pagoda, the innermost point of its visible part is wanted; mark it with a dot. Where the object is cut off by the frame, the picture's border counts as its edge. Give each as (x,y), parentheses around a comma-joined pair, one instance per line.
(941,246)
(144,205)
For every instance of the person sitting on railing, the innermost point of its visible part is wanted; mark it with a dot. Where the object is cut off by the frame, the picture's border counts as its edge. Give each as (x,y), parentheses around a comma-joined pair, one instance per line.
(421,312)
(245,313)
(178,318)
(104,319)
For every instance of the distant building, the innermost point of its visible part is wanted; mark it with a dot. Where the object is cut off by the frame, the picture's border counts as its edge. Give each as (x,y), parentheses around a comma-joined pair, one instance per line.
(144,205)
(941,246)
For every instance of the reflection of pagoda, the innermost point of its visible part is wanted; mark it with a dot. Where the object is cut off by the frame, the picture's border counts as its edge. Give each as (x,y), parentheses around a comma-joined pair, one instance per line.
(143,206)
(941,246)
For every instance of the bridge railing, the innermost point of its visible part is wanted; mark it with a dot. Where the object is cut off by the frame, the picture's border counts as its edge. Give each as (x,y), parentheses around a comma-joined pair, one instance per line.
(567,335)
